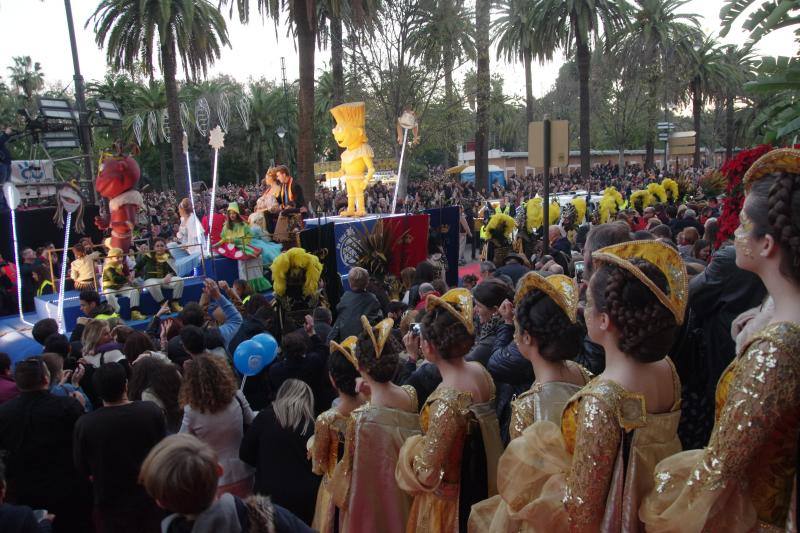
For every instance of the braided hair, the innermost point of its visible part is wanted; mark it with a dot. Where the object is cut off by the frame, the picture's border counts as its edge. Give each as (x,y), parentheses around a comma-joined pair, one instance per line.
(343,373)
(382,369)
(447,333)
(539,316)
(774,207)
(647,328)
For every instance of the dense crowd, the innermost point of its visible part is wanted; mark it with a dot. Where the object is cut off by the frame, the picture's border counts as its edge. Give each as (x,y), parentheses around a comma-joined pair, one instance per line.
(552,390)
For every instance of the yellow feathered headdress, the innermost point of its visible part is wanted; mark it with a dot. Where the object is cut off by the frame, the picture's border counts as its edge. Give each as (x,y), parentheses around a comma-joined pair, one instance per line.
(296,259)
(607,207)
(534,214)
(665,258)
(555,211)
(580,209)
(500,220)
(613,193)
(671,188)
(658,192)
(641,199)
(563,290)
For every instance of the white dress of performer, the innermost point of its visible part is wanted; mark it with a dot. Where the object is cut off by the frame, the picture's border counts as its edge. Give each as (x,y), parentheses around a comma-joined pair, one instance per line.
(186,252)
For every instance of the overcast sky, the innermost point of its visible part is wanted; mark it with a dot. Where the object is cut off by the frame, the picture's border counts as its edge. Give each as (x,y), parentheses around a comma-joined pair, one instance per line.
(38,29)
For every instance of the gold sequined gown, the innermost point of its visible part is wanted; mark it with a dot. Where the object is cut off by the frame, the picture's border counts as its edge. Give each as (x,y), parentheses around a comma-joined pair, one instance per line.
(544,401)
(449,420)
(743,480)
(572,476)
(329,431)
(363,486)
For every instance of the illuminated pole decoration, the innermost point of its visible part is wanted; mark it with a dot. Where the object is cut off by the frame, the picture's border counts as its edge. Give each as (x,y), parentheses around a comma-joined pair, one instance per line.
(11,195)
(69,199)
(216,141)
(407,121)
(199,229)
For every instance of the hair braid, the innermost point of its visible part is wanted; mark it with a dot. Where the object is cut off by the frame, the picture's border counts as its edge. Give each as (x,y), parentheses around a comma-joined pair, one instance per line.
(647,328)
(783,214)
(557,338)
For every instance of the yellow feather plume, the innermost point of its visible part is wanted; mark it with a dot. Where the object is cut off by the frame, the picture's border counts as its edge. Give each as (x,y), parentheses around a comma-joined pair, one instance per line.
(296,259)
(641,199)
(611,192)
(555,212)
(658,192)
(671,188)
(580,209)
(534,214)
(501,220)
(607,206)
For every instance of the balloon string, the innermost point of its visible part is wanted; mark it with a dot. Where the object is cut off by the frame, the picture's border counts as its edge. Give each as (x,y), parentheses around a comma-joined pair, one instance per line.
(244,379)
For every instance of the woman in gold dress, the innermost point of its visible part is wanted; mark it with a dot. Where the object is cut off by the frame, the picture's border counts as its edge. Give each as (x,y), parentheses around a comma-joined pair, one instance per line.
(589,472)
(743,480)
(547,334)
(454,464)
(363,487)
(327,445)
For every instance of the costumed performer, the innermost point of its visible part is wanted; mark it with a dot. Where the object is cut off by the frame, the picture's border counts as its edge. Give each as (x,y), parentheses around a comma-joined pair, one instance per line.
(544,316)
(81,269)
(157,269)
(189,246)
(267,204)
(269,250)
(498,238)
(743,480)
(454,463)
(363,485)
(295,279)
(590,471)
(327,445)
(119,283)
(236,243)
(357,166)
(118,175)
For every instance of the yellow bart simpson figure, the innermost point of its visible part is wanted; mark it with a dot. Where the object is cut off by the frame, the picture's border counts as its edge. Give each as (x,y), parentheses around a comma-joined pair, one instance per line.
(357,167)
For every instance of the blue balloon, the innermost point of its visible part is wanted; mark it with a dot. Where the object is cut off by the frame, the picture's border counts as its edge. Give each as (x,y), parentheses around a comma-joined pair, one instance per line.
(270,346)
(249,358)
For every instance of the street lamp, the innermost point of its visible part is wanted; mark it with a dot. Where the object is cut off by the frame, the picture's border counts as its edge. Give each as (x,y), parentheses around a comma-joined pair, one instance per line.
(281,131)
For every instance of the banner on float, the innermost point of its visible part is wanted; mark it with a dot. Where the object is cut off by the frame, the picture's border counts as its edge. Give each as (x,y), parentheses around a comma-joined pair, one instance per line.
(444,224)
(32,172)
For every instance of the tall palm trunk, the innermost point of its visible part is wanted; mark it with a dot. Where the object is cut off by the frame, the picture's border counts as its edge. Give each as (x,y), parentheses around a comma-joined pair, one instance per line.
(169,64)
(730,132)
(526,58)
(163,154)
(697,111)
(483,93)
(306,45)
(650,142)
(449,148)
(337,54)
(584,64)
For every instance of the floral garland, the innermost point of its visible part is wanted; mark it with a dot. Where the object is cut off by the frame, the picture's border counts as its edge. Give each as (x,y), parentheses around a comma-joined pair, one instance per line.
(734,170)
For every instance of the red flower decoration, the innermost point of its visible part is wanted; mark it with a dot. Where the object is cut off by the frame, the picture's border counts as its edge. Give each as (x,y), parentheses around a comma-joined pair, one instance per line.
(734,170)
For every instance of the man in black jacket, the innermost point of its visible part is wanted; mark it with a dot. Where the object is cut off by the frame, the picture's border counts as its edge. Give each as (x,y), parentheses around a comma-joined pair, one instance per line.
(36,436)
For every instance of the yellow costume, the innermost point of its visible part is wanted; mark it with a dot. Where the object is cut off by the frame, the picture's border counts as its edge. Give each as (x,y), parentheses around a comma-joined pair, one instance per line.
(743,479)
(357,167)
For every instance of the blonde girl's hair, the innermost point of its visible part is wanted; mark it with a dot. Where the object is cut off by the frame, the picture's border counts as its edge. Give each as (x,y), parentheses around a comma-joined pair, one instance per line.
(294,405)
(92,333)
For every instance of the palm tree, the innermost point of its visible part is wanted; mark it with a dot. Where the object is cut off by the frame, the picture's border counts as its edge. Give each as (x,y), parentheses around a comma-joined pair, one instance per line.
(442,36)
(27,76)
(137,35)
(740,63)
(706,72)
(149,101)
(656,37)
(117,87)
(572,24)
(483,93)
(516,35)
